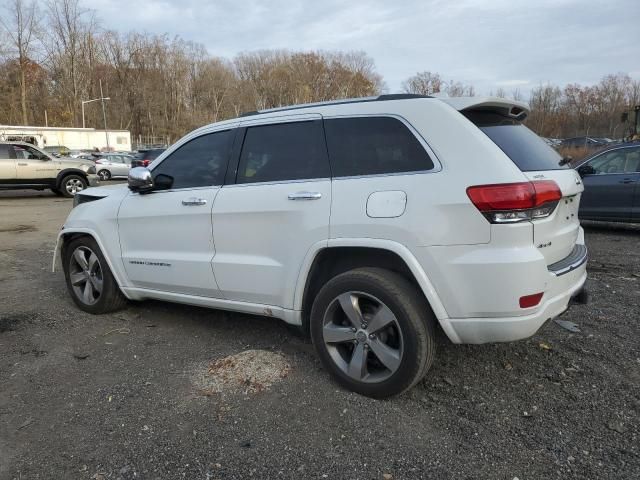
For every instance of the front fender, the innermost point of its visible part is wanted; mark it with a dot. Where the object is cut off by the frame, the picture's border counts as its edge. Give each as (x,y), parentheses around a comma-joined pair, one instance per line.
(116,271)
(68,171)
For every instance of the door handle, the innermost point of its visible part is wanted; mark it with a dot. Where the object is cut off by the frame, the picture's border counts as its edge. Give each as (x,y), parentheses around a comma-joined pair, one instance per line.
(23,164)
(627,180)
(193,201)
(305,196)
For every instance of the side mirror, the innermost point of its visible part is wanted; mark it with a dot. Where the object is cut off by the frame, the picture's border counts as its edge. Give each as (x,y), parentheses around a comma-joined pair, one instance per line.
(140,180)
(586,170)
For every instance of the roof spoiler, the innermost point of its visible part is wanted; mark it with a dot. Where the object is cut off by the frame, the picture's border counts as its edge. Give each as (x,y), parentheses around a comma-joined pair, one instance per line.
(510,108)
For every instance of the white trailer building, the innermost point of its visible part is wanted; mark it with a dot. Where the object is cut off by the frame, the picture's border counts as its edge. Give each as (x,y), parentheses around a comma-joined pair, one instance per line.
(72,138)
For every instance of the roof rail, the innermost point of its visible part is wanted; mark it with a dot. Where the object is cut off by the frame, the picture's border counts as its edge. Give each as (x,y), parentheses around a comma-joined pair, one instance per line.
(379,98)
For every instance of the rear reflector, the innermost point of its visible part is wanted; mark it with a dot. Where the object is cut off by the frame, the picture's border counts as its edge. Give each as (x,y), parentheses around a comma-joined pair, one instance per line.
(530,300)
(515,202)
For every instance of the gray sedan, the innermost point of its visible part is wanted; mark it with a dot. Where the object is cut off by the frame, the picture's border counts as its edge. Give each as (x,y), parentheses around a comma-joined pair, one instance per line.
(111,165)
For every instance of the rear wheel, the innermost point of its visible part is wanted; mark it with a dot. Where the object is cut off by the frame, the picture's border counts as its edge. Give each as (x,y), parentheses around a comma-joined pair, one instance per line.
(89,279)
(374,331)
(72,184)
(104,175)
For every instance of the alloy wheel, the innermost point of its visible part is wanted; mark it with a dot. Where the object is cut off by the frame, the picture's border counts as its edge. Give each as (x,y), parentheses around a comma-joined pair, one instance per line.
(363,337)
(73,186)
(104,175)
(85,274)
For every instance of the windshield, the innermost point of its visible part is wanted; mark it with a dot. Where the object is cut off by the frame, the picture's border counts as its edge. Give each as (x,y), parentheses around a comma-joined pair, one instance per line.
(526,149)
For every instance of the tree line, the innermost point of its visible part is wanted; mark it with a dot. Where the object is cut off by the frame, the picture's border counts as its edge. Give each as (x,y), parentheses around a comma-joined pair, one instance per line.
(54,54)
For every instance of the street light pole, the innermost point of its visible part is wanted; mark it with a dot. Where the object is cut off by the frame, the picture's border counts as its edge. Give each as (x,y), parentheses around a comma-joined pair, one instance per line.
(104,116)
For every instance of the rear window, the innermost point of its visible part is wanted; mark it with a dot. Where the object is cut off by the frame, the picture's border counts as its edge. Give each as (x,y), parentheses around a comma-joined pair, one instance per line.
(526,149)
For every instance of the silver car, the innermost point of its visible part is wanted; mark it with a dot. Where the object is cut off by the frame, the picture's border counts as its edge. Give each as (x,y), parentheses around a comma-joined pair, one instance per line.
(113,165)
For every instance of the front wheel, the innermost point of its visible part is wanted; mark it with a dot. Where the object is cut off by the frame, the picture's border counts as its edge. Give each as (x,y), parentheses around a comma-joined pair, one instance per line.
(89,279)
(374,331)
(104,175)
(72,184)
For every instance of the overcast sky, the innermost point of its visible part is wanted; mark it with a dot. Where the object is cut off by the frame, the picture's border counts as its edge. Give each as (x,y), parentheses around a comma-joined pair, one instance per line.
(488,43)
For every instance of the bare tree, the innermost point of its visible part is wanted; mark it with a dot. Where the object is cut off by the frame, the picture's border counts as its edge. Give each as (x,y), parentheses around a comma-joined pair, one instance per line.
(20,26)
(70,29)
(423,83)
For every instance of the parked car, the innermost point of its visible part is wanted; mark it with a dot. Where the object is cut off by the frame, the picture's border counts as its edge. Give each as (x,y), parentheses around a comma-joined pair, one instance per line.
(342,219)
(24,166)
(111,165)
(79,153)
(57,150)
(144,157)
(583,142)
(611,184)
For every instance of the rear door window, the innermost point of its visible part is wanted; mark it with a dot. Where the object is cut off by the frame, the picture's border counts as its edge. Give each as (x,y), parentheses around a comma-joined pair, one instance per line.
(284,151)
(373,146)
(526,149)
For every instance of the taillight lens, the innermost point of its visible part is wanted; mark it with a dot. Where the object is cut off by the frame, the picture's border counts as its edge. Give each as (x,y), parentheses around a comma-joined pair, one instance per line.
(99,161)
(515,202)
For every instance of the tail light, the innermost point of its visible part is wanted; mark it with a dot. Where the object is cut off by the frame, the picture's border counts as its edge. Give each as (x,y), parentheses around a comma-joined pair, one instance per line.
(98,161)
(515,202)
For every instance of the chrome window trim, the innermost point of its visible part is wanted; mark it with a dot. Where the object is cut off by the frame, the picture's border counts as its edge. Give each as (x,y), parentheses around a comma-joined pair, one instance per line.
(173,190)
(278,182)
(289,118)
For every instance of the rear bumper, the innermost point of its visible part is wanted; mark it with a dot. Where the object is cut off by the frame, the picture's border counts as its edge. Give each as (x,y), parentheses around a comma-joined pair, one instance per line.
(483,330)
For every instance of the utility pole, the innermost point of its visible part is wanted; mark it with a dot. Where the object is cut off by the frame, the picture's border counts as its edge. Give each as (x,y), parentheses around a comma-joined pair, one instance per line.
(104,116)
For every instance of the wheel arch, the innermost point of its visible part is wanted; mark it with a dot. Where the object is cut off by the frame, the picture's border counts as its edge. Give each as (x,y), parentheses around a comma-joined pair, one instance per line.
(339,255)
(66,236)
(70,171)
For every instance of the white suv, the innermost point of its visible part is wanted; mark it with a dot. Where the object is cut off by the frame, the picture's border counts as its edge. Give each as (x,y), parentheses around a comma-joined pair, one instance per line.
(366,222)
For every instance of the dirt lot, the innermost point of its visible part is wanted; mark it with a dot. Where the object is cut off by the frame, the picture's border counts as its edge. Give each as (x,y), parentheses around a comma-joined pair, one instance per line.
(126,395)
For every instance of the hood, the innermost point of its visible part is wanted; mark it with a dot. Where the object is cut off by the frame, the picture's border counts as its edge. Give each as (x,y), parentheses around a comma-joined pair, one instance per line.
(73,162)
(120,189)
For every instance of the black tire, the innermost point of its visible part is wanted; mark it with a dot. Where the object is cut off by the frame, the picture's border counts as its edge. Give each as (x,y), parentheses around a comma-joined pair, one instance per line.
(104,175)
(57,191)
(414,320)
(69,181)
(110,298)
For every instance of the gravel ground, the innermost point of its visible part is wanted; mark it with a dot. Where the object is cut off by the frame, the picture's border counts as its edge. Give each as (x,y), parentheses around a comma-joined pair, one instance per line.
(121,396)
